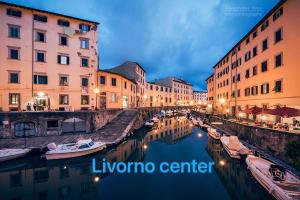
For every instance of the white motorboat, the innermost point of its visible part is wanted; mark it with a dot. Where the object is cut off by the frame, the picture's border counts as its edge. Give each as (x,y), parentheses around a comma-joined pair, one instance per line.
(9,154)
(214,133)
(80,148)
(279,182)
(202,125)
(155,119)
(169,113)
(234,147)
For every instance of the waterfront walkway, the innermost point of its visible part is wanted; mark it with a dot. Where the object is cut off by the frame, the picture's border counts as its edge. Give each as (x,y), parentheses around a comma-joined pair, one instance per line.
(111,133)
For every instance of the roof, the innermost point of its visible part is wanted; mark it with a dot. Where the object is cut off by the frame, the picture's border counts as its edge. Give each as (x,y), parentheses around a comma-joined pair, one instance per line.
(280,3)
(209,76)
(202,91)
(181,81)
(110,72)
(153,83)
(47,12)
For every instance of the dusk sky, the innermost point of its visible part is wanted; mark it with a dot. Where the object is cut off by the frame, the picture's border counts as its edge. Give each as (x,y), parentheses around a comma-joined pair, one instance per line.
(183,38)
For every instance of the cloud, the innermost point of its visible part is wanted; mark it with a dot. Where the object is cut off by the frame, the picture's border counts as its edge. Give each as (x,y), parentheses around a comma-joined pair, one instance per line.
(168,37)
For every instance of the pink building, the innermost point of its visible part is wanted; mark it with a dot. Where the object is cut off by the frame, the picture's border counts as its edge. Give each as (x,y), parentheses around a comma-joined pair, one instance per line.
(48,61)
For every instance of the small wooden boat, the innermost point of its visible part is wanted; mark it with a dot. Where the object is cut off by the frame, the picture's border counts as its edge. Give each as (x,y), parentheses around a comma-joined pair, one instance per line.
(9,154)
(234,147)
(282,184)
(214,133)
(80,148)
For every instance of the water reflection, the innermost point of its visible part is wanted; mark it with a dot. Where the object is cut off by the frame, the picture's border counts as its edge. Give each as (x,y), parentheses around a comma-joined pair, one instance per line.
(35,178)
(234,174)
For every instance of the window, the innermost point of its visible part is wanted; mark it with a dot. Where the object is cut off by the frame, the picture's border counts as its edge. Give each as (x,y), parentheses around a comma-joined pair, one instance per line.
(63,99)
(125,85)
(13,12)
(40,56)
(247,91)
(238,77)
(62,22)
(113,81)
(247,56)
(254,34)
(63,40)
(278,35)
(264,25)
(63,59)
(264,88)
(264,44)
(13,31)
(84,62)
(84,27)
(254,90)
(278,60)
(63,80)
(247,75)
(14,53)
(264,66)
(40,79)
(84,82)
(247,40)
(114,97)
(254,70)
(14,77)
(40,36)
(84,43)
(277,14)
(254,51)
(278,86)
(14,98)
(85,99)
(102,80)
(40,18)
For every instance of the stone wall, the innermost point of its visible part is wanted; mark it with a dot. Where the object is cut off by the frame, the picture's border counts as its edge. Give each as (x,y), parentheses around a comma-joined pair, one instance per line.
(53,123)
(272,141)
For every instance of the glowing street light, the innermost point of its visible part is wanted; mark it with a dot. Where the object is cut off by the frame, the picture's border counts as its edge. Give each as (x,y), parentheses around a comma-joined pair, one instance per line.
(222,162)
(96,179)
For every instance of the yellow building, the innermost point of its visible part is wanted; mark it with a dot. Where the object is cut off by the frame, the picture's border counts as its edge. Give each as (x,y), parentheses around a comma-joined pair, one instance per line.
(115,91)
(262,68)
(182,90)
(158,95)
(48,61)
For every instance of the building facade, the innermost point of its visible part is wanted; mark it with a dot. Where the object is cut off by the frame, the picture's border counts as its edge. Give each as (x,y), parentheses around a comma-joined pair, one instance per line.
(262,68)
(210,93)
(158,95)
(182,90)
(134,71)
(200,97)
(115,91)
(48,61)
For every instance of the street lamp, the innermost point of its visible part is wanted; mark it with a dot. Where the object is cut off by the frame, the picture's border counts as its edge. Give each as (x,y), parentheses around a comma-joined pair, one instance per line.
(96,91)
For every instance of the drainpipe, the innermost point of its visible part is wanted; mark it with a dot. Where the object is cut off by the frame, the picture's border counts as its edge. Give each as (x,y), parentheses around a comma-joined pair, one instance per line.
(32,57)
(235,90)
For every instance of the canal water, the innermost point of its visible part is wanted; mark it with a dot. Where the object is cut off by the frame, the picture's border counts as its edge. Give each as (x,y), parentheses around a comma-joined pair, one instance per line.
(175,139)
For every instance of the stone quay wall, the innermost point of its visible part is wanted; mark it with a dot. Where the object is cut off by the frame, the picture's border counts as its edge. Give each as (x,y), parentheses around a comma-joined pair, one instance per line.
(19,124)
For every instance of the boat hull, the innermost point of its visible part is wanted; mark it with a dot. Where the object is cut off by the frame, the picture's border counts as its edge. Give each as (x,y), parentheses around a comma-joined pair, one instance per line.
(56,156)
(213,135)
(231,153)
(15,156)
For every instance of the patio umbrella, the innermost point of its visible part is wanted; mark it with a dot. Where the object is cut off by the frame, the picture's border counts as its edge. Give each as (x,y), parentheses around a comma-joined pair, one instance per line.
(284,112)
(253,111)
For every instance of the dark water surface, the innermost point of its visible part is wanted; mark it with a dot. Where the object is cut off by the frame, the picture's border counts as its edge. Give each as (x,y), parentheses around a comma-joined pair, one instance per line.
(175,140)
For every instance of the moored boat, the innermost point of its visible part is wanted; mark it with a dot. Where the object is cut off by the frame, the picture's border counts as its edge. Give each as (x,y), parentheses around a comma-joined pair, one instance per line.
(80,148)
(279,182)
(214,133)
(234,147)
(9,154)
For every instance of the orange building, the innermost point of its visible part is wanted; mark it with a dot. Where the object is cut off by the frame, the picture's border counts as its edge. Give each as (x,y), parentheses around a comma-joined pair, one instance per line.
(115,91)
(48,61)
(262,68)
(158,95)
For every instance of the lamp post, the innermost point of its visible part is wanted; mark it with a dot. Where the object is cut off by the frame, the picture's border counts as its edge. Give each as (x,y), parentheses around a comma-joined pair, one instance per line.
(96,91)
